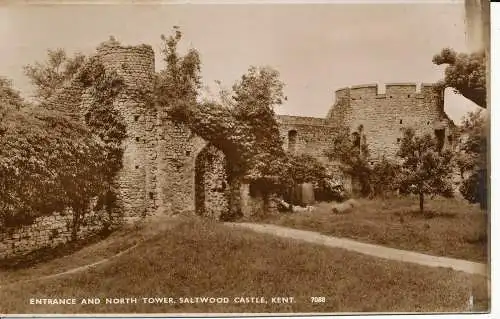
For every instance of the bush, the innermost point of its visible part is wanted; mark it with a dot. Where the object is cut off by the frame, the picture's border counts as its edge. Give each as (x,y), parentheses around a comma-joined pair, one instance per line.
(47,162)
(328,189)
(304,168)
(474,188)
(384,178)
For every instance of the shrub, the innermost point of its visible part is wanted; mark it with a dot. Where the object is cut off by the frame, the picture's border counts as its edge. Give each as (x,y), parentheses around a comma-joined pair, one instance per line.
(384,178)
(425,170)
(47,162)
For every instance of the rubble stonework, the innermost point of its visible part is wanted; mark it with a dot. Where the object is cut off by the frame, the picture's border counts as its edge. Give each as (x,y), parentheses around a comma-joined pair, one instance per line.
(46,231)
(384,116)
(211,187)
(167,169)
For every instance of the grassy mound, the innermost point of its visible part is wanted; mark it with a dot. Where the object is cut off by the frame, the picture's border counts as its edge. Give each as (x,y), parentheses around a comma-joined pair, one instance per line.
(194,259)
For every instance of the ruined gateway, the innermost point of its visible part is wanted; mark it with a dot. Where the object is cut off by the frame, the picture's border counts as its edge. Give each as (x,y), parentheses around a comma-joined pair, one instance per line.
(168,170)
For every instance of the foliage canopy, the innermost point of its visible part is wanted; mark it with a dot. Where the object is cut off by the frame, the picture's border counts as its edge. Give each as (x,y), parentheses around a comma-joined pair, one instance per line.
(50,75)
(425,169)
(465,73)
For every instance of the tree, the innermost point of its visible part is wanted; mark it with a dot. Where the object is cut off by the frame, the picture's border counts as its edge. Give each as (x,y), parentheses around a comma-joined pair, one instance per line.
(47,162)
(50,160)
(384,177)
(245,130)
(178,83)
(8,95)
(51,74)
(465,73)
(351,150)
(425,170)
(472,160)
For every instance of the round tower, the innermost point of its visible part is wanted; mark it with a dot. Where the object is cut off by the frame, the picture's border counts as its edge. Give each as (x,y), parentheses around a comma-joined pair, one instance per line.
(136,181)
(385,116)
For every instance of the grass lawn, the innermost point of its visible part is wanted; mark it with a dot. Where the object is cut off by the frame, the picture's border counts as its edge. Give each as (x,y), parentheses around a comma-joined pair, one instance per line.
(58,260)
(192,258)
(451,228)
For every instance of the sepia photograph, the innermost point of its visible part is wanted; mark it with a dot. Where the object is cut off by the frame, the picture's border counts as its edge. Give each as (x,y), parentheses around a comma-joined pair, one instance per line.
(180,158)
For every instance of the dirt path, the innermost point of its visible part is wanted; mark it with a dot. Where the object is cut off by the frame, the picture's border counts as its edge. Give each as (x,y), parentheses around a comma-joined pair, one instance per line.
(317,238)
(368,249)
(71,271)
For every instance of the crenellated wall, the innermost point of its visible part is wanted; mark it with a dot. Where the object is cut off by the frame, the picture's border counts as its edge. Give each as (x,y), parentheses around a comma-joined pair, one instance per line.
(384,116)
(169,170)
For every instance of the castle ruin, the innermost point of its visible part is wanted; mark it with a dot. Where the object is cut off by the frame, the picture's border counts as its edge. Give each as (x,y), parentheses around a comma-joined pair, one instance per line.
(169,170)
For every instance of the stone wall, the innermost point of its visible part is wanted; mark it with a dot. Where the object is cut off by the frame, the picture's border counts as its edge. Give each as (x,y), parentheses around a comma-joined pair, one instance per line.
(384,116)
(312,135)
(169,170)
(137,180)
(177,149)
(211,186)
(46,231)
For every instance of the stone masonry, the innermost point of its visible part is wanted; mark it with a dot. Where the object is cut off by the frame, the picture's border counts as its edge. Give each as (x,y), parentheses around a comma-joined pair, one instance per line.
(169,170)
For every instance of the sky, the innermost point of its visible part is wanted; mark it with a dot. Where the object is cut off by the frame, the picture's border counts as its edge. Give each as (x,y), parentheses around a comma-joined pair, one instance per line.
(317,48)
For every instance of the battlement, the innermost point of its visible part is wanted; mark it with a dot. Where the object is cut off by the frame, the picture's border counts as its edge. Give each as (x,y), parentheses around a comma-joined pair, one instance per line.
(388,90)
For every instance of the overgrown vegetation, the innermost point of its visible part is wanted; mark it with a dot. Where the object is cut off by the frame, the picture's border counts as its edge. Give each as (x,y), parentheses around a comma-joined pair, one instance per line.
(305,168)
(49,160)
(50,75)
(9,97)
(350,150)
(473,159)
(246,131)
(425,169)
(385,178)
(465,73)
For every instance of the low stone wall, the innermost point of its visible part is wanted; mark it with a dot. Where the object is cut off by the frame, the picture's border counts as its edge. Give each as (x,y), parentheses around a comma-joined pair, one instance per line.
(46,232)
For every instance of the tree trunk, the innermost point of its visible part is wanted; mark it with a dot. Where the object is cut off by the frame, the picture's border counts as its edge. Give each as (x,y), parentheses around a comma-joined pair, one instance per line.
(265,203)
(421,197)
(234,210)
(76,224)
